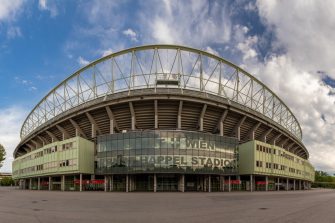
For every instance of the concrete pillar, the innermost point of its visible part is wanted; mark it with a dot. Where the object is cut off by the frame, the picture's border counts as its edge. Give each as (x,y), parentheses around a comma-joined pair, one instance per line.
(221,183)
(155,183)
(266,183)
(294,184)
(127,183)
(50,186)
(299,184)
(278,184)
(239,179)
(30,183)
(38,183)
(81,182)
(286,183)
(221,128)
(229,184)
(105,183)
(110,183)
(209,183)
(62,185)
(251,183)
(182,183)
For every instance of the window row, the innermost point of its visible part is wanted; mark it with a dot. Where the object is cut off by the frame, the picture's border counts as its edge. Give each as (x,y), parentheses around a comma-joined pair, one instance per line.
(277,152)
(46,166)
(49,150)
(276,166)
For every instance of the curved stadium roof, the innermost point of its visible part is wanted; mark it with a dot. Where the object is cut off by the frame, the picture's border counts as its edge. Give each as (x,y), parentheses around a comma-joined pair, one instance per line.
(161,66)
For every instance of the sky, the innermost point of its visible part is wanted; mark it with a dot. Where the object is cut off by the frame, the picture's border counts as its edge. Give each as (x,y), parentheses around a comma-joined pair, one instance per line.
(288,45)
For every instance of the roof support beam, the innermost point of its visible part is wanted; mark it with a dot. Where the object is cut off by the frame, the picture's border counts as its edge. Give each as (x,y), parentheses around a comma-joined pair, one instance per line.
(26,149)
(156,114)
(179,114)
(251,133)
(37,144)
(113,123)
(133,117)
(284,142)
(294,150)
(265,135)
(65,134)
(43,140)
(30,147)
(275,139)
(290,146)
(79,131)
(52,136)
(95,127)
(237,128)
(221,121)
(201,118)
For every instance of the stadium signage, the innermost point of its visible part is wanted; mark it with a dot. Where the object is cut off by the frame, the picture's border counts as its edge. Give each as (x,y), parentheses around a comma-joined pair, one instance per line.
(199,144)
(194,160)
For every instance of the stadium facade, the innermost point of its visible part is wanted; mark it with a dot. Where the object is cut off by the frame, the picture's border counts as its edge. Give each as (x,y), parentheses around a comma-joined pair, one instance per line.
(162,118)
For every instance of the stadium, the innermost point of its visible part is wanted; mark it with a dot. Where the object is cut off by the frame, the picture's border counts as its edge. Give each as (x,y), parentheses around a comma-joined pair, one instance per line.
(162,118)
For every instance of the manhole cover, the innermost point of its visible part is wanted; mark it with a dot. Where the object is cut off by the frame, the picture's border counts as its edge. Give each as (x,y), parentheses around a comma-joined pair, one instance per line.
(263,208)
(36,209)
(34,202)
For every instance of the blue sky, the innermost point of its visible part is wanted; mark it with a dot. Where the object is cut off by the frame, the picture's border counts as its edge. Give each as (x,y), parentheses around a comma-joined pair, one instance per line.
(42,42)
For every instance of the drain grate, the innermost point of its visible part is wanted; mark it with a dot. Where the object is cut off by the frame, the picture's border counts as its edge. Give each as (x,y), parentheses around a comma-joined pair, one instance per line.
(263,208)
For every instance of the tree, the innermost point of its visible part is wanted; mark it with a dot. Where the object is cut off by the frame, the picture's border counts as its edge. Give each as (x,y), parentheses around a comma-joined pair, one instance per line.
(7,181)
(2,155)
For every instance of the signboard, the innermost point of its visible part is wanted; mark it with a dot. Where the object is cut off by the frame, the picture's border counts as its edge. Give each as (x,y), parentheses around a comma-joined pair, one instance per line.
(233,182)
(89,182)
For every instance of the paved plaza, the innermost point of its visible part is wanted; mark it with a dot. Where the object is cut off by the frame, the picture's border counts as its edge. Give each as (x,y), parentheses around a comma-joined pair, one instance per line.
(53,206)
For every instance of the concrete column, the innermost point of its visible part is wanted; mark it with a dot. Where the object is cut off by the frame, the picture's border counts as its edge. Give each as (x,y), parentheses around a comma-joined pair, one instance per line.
(251,183)
(182,183)
(50,186)
(239,179)
(294,184)
(112,183)
(278,184)
(229,184)
(30,184)
(221,128)
(105,183)
(155,183)
(81,182)
(209,184)
(127,183)
(221,183)
(38,183)
(299,184)
(266,183)
(286,183)
(62,185)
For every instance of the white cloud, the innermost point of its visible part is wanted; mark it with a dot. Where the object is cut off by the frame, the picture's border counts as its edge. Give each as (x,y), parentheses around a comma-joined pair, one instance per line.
(11,119)
(304,36)
(9,9)
(106,52)
(13,32)
(194,23)
(131,34)
(212,51)
(82,61)
(45,5)
(305,28)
